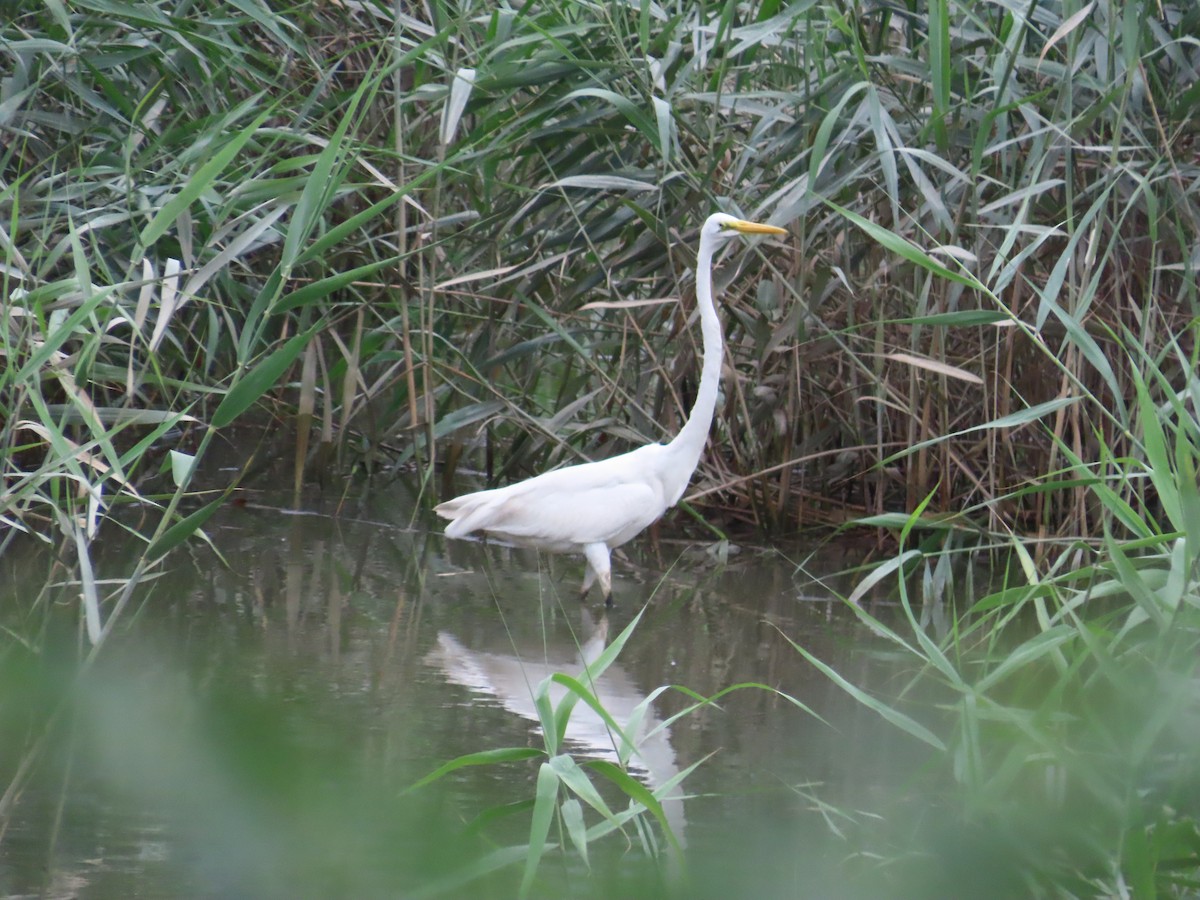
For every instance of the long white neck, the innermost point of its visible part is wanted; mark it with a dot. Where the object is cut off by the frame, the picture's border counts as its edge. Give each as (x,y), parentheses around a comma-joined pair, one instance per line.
(689,443)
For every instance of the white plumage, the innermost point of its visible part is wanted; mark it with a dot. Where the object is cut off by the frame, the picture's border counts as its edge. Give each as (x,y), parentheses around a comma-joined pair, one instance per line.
(593,507)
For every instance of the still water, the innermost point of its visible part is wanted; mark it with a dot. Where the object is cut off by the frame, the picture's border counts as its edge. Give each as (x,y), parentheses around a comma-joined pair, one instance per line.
(254,728)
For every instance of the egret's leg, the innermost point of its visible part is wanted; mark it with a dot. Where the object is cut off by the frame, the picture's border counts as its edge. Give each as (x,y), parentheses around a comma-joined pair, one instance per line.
(600,564)
(589,577)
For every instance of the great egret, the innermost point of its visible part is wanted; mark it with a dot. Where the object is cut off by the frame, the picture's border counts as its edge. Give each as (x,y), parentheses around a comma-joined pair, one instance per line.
(594,507)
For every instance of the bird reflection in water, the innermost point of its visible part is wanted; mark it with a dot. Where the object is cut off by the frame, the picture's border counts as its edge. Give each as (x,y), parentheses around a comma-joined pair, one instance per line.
(512,680)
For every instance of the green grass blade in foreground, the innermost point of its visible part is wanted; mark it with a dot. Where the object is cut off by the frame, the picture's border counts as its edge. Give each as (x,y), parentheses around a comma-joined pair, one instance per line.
(897,718)
(482,758)
(631,112)
(933,653)
(468,415)
(68,329)
(324,287)
(543,814)
(896,565)
(939,68)
(1158,458)
(594,670)
(574,779)
(944,522)
(638,793)
(597,667)
(204,177)
(572,816)
(958,318)
(166,424)
(579,692)
(825,131)
(327,174)
(1131,579)
(492,814)
(453,884)
(634,723)
(1120,508)
(742,686)
(87,580)
(1012,420)
(176,534)
(328,240)
(1189,493)
(553,724)
(1026,653)
(908,250)
(251,386)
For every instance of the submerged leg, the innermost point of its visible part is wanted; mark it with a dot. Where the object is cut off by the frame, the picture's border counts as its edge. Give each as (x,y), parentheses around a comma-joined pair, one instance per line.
(589,577)
(599,569)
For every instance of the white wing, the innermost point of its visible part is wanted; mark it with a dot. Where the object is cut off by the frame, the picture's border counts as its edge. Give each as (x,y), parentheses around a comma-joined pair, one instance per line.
(603,502)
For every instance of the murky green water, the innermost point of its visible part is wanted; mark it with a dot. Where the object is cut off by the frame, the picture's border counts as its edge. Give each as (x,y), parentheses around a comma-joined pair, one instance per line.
(253,729)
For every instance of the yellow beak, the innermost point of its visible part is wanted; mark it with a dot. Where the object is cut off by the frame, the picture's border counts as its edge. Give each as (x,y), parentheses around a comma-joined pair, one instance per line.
(756,228)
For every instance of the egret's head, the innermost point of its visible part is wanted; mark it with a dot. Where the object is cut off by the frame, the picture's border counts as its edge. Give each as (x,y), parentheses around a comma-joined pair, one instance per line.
(720,225)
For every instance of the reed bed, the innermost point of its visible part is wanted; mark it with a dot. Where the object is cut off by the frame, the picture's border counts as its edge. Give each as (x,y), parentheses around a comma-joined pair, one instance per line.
(480,220)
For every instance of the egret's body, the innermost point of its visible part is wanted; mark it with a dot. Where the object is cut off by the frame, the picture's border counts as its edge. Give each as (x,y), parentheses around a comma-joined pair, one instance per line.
(592,508)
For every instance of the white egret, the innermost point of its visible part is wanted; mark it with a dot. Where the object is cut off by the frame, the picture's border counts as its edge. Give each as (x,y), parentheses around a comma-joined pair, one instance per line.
(593,507)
